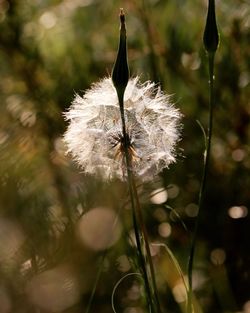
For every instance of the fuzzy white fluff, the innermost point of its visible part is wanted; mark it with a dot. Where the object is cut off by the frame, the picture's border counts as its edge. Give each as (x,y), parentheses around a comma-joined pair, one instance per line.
(94,132)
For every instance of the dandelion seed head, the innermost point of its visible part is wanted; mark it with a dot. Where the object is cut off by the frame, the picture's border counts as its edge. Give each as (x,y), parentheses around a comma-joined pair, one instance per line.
(95,139)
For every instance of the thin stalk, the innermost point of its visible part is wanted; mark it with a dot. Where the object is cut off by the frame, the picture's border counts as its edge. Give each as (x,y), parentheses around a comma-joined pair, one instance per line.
(204,177)
(146,241)
(131,194)
(96,282)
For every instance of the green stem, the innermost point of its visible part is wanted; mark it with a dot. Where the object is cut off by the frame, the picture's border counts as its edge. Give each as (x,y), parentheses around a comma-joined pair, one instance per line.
(204,177)
(133,205)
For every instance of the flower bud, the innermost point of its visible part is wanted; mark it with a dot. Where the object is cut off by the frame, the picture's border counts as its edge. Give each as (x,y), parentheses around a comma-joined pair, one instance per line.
(211,36)
(120,73)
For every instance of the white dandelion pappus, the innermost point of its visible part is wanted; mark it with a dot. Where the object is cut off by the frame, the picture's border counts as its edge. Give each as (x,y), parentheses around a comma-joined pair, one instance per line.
(94,135)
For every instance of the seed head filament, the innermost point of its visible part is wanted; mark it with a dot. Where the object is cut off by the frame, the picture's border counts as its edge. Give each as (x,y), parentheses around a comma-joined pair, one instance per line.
(121,144)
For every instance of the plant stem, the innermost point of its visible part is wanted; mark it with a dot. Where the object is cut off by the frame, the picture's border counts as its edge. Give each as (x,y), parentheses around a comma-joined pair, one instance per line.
(204,177)
(100,268)
(146,241)
(133,205)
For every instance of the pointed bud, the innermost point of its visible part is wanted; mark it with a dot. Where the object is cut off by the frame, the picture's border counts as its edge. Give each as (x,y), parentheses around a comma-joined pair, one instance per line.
(211,36)
(120,73)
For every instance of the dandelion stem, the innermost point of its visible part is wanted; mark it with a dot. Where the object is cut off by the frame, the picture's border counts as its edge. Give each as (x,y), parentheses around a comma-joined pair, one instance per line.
(133,205)
(204,177)
(146,241)
(120,77)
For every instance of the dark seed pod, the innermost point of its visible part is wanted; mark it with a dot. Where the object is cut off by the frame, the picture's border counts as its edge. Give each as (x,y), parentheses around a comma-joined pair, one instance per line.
(120,73)
(211,36)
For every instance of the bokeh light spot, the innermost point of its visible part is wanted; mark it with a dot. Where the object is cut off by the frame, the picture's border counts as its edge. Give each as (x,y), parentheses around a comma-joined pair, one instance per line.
(99,228)
(244,79)
(134,293)
(192,210)
(164,230)
(14,105)
(159,196)
(190,60)
(198,279)
(160,214)
(218,256)
(238,212)
(238,155)
(28,118)
(173,191)
(179,292)
(54,290)
(26,267)
(48,20)
(154,249)
(218,150)
(246,307)
(123,263)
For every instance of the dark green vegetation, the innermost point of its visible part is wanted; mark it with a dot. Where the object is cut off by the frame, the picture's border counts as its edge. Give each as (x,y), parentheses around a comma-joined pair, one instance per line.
(48,51)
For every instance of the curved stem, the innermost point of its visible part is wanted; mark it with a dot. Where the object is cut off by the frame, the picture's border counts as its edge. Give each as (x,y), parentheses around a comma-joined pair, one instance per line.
(204,177)
(117,285)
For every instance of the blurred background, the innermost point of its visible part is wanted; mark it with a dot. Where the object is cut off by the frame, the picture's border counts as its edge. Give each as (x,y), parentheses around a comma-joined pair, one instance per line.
(59,229)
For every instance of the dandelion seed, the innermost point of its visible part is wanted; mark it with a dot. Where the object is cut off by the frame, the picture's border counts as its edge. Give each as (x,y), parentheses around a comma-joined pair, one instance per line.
(95,139)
